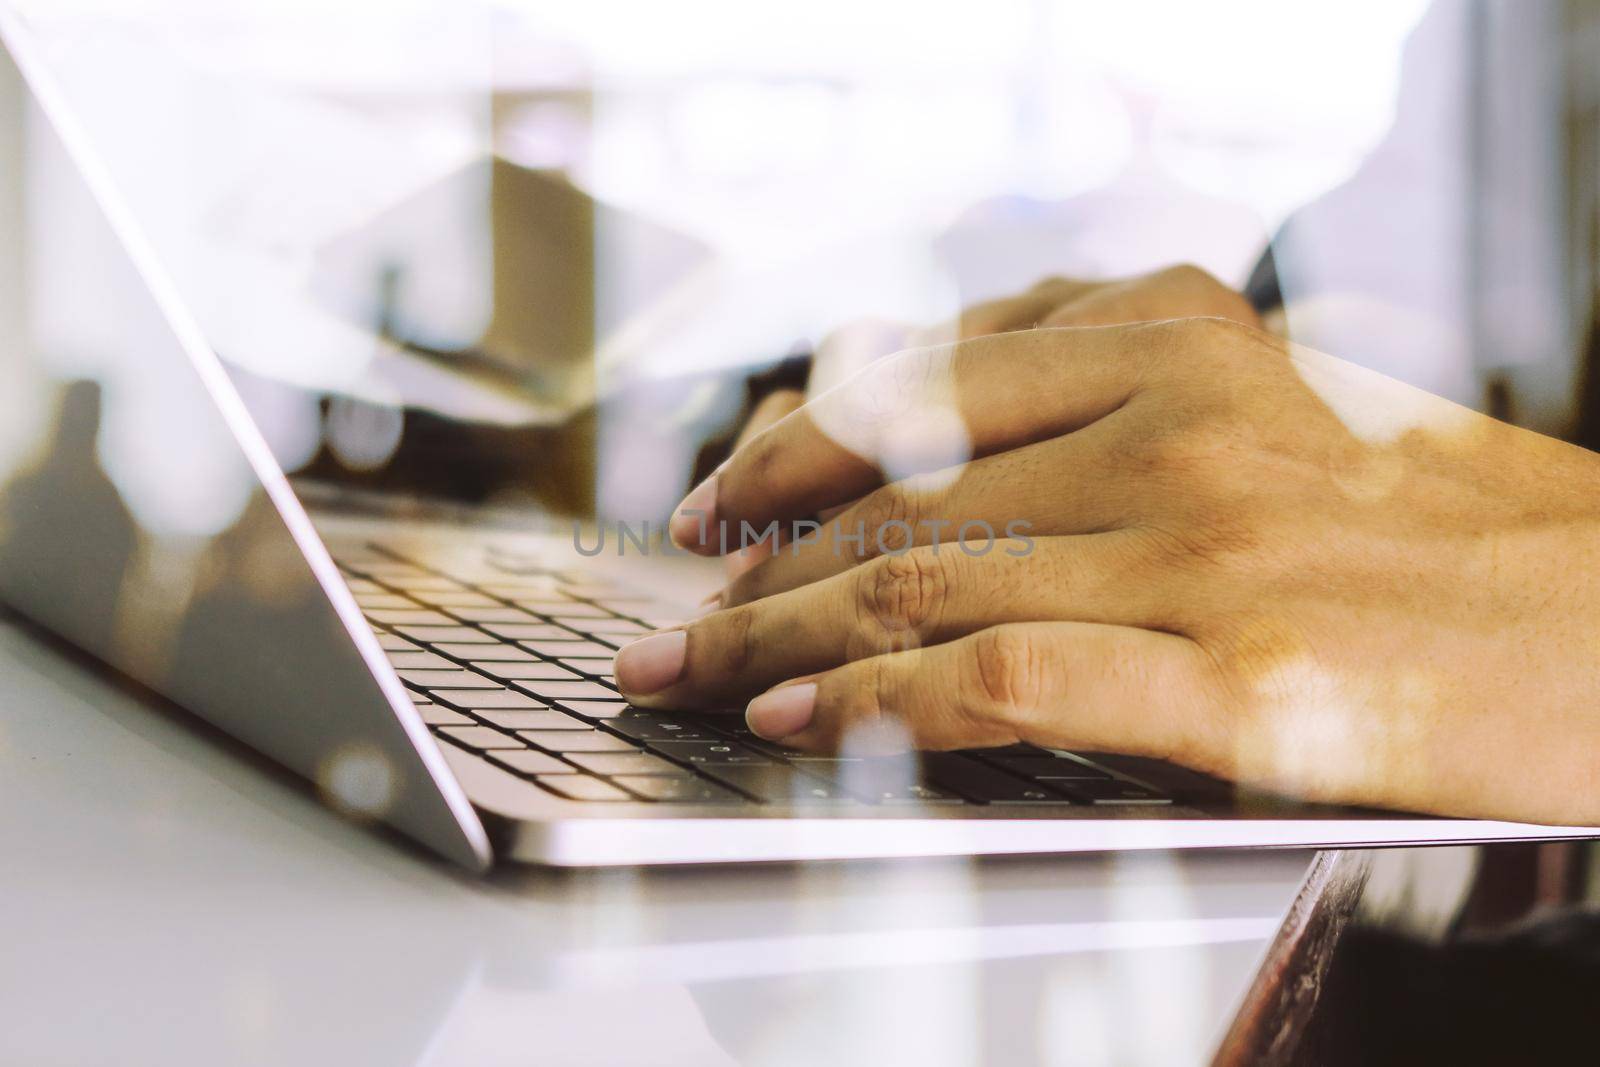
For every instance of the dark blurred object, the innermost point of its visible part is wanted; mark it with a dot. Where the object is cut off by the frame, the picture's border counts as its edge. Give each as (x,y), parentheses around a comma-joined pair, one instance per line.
(791,372)
(1587,430)
(472,463)
(512,278)
(1513,980)
(1263,289)
(1526,995)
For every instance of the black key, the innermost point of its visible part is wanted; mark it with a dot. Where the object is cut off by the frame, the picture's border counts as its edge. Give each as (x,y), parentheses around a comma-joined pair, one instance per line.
(625,627)
(415,616)
(916,793)
(581,787)
(530,591)
(679,790)
(526,761)
(881,780)
(391,571)
(394,643)
(532,669)
(480,737)
(648,726)
(775,783)
(538,602)
(603,595)
(453,598)
(1049,768)
(613,763)
(373,601)
(447,680)
(982,783)
(478,699)
(592,588)
(496,614)
(1114,791)
(703,752)
(550,690)
(541,719)
(734,727)
(419,661)
(419,580)
(574,649)
(596,709)
(487,653)
(434,715)
(522,631)
(576,741)
(430,635)
(574,610)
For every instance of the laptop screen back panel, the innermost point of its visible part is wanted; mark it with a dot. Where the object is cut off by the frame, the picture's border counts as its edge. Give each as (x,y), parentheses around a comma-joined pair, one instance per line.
(142,516)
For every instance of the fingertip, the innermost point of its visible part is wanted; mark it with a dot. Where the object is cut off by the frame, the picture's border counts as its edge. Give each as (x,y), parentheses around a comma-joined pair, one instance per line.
(651,663)
(782,712)
(692,519)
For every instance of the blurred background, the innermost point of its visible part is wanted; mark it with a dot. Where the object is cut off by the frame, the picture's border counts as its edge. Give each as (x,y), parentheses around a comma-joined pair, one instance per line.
(527,251)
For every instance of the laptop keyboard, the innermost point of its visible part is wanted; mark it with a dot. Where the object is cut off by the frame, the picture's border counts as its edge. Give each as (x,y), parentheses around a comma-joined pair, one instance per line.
(513,662)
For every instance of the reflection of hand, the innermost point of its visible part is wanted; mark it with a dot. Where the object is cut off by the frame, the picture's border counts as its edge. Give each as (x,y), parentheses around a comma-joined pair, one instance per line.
(1171,293)
(1255,560)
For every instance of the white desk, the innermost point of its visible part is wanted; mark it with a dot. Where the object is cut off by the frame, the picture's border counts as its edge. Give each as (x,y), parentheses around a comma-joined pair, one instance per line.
(168,899)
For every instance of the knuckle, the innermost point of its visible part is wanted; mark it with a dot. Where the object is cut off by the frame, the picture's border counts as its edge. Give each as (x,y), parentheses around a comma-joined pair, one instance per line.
(1224,346)
(985,318)
(1006,671)
(904,592)
(735,641)
(887,517)
(1204,291)
(1188,275)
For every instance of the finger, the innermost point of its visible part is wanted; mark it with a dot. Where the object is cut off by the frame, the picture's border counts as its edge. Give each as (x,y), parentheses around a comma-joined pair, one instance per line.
(923,597)
(1056,684)
(921,410)
(771,408)
(1016,493)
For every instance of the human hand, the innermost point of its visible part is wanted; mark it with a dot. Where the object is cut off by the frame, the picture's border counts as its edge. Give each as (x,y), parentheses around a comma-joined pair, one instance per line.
(1249,558)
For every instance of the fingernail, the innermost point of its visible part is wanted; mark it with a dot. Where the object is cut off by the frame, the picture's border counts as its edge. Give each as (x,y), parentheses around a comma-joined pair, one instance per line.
(651,663)
(686,529)
(782,712)
(708,605)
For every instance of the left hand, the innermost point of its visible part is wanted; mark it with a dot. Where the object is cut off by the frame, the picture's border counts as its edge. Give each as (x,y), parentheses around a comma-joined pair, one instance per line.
(1257,561)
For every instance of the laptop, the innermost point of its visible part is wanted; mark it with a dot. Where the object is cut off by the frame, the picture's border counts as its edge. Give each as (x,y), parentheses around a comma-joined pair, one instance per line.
(448,674)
